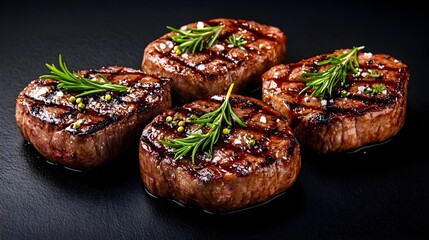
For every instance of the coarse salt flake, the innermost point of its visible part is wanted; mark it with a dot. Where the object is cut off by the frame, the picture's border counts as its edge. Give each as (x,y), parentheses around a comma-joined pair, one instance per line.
(361,89)
(162,46)
(263,119)
(40,91)
(216,159)
(217,98)
(367,54)
(200,24)
(201,67)
(323,102)
(219,47)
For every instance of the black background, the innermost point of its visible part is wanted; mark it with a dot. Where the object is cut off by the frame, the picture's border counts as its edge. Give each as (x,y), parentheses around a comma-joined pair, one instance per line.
(377,193)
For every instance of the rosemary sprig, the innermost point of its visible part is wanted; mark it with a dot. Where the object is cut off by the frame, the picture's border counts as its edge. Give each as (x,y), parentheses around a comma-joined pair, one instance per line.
(195,39)
(198,140)
(323,82)
(236,41)
(75,82)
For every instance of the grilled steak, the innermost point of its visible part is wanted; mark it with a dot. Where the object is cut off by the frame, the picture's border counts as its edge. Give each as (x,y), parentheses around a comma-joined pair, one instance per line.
(355,115)
(47,119)
(239,174)
(202,74)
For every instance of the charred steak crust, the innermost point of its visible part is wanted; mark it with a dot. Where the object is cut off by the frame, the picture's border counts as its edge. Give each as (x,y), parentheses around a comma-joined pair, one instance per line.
(341,123)
(45,116)
(238,175)
(203,74)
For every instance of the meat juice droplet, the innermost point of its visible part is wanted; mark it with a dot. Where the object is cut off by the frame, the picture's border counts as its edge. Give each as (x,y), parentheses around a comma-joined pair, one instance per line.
(367,148)
(208,211)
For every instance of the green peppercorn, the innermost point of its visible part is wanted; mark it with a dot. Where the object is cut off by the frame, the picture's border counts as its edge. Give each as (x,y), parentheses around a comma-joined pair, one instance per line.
(107,97)
(251,142)
(180,129)
(81,105)
(225,131)
(168,119)
(181,123)
(179,117)
(76,125)
(78,100)
(177,50)
(174,123)
(72,99)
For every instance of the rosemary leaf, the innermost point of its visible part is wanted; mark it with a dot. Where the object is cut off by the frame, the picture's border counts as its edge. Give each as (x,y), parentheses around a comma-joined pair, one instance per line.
(197,141)
(236,41)
(195,39)
(75,82)
(324,82)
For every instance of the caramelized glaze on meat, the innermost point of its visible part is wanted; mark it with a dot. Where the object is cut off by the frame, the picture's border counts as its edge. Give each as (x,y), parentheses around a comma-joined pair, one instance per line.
(45,117)
(342,122)
(202,74)
(238,175)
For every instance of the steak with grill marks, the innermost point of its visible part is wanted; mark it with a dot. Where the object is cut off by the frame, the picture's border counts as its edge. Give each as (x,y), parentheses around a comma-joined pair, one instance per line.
(355,115)
(202,74)
(239,174)
(45,117)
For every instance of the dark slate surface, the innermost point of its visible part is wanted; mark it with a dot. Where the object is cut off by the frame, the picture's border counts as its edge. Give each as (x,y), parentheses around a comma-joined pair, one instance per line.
(377,193)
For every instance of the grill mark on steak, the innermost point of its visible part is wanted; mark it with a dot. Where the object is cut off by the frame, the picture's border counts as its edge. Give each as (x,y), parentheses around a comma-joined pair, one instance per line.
(45,117)
(237,175)
(237,26)
(222,55)
(340,122)
(40,109)
(369,102)
(241,151)
(41,105)
(98,120)
(209,72)
(184,64)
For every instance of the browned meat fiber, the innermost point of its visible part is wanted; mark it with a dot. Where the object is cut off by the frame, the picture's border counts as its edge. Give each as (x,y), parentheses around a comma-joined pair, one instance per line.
(239,174)
(45,117)
(202,74)
(342,122)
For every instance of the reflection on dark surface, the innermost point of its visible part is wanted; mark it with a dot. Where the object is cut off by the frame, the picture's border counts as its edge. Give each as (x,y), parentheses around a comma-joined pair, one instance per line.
(257,219)
(377,158)
(379,193)
(117,172)
(292,194)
